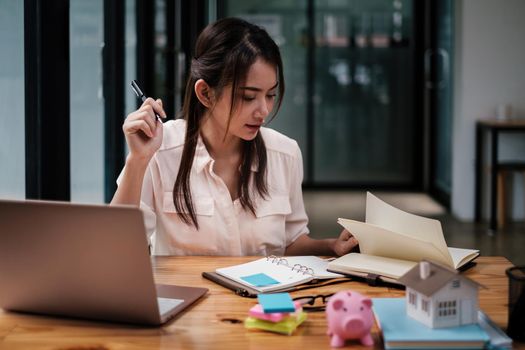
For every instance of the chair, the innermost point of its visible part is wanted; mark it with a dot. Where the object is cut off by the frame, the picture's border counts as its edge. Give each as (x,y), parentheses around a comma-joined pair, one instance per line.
(503,177)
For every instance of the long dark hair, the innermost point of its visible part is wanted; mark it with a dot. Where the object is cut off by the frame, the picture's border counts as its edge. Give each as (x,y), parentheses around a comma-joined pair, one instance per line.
(224,52)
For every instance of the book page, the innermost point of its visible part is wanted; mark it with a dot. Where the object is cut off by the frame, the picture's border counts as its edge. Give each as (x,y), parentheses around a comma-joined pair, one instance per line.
(284,275)
(375,240)
(382,214)
(358,262)
(461,256)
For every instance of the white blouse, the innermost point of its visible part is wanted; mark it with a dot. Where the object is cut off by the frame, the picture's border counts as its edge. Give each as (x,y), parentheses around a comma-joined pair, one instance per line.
(225,228)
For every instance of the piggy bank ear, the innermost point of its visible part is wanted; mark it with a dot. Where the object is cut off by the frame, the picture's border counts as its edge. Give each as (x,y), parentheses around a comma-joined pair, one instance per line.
(367,302)
(337,304)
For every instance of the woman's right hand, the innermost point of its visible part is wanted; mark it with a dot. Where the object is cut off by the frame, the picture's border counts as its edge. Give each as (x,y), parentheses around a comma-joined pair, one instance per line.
(143,131)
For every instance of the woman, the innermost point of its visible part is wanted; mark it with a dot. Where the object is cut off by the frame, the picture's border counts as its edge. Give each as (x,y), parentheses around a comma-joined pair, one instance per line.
(217,182)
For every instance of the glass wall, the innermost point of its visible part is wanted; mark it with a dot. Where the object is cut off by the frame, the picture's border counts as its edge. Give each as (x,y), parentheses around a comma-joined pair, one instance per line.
(130,43)
(12,116)
(286,22)
(87,103)
(363,129)
(161,47)
(363,80)
(441,92)
(131,102)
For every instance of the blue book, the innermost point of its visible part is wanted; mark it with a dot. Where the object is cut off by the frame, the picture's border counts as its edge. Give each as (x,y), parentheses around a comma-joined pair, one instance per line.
(400,331)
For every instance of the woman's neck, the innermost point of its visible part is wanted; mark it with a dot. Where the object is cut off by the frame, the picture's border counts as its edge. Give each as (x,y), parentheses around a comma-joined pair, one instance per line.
(217,144)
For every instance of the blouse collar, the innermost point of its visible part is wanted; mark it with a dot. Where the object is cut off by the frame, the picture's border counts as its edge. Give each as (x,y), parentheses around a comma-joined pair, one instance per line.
(202,157)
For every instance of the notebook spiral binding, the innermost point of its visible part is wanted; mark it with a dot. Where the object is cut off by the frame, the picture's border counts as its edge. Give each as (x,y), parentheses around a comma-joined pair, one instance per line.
(305,270)
(277,260)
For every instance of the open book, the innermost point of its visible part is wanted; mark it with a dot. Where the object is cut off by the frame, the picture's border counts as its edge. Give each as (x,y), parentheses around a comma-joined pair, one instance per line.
(272,274)
(392,241)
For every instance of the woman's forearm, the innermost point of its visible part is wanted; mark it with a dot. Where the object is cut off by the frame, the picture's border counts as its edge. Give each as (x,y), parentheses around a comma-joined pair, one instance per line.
(305,245)
(130,187)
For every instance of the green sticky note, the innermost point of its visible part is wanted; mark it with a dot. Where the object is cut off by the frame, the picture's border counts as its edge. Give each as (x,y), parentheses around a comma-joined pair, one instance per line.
(286,326)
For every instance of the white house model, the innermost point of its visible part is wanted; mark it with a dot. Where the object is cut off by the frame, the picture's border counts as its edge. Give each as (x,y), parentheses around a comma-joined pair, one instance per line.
(440,297)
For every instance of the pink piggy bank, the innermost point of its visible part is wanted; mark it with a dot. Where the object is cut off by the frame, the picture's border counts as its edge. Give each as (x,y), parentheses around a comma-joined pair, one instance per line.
(349,316)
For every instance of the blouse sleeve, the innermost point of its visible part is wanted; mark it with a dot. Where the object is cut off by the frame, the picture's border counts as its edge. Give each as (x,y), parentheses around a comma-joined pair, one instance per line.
(297,220)
(147,202)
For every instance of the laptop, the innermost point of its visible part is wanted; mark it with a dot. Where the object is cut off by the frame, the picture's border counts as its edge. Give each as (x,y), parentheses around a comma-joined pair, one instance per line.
(83,261)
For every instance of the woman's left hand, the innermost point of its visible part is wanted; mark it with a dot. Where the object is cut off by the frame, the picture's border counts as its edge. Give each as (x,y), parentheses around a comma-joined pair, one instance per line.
(344,243)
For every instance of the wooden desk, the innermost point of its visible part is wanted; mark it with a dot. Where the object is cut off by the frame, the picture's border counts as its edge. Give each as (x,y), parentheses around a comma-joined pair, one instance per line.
(494,127)
(208,323)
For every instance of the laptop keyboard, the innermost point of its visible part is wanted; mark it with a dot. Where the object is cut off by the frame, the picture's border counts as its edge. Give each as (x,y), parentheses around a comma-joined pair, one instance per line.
(168,304)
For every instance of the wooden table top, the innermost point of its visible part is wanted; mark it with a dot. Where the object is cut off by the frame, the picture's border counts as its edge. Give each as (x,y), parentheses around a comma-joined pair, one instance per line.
(518,123)
(215,321)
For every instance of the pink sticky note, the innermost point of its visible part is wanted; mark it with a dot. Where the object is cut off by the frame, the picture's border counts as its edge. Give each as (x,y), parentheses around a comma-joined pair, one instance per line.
(258,312)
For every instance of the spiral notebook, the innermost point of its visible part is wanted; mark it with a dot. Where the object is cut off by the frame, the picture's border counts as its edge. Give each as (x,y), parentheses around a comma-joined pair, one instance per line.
(272,274)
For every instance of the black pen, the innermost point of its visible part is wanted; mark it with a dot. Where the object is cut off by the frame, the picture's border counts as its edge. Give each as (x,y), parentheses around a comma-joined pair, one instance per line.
(141,95)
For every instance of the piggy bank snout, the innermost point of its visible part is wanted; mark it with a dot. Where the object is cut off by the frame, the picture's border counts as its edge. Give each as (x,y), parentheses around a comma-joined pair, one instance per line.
(354,325)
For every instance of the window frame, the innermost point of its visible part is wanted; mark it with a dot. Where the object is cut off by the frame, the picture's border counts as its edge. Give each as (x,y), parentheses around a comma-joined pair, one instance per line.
(47,99)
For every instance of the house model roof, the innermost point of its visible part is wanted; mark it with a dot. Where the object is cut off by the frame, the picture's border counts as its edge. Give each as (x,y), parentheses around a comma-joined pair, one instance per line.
(438,277)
